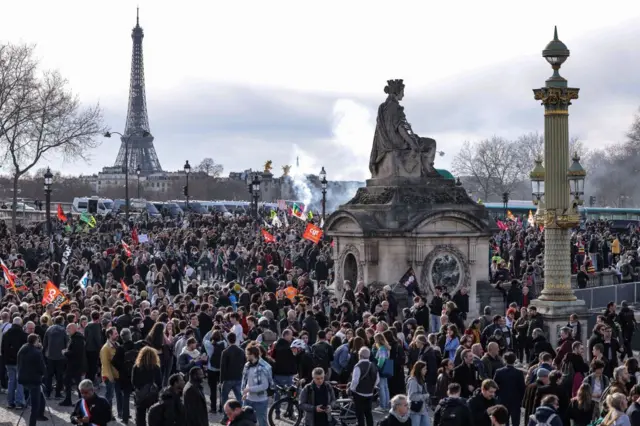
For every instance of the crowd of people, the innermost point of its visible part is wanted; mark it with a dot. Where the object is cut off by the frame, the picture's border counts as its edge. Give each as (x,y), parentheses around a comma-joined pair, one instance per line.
(206,314)
(517,254)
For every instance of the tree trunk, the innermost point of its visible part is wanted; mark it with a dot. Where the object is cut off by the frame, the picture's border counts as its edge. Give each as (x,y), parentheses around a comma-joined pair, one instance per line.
(14,207)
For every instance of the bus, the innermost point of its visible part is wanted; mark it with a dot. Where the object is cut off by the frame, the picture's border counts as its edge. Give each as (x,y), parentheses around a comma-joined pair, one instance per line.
(523,207)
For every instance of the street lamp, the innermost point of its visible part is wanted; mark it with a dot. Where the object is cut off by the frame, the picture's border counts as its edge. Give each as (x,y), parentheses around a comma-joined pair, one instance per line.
(323,182)
(138,171)
(576,175)
(505,202)
(126,140)
(48,180)
(255,190)
(187,170)
(537,176)
(560,183)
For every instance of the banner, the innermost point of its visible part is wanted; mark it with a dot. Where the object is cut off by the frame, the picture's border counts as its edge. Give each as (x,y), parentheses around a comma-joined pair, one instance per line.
(66,255)
(61,214)
(88,219)
(53,295)
(312,233)
(268,237)
(282,205)
(84,281)
(143,238)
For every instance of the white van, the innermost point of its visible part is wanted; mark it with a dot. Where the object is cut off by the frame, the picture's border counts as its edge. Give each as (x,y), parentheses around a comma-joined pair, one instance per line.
(94,205)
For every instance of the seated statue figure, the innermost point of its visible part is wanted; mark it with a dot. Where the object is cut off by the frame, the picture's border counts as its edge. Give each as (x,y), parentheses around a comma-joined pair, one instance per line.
(397,151)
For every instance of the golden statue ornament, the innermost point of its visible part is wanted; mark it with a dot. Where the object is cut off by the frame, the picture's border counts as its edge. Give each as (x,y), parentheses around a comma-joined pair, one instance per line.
(268,166)
(285,170)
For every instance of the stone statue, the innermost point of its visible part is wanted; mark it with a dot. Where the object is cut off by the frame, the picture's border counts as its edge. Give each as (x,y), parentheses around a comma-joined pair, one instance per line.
(285,170)
(268,166)
(397,151)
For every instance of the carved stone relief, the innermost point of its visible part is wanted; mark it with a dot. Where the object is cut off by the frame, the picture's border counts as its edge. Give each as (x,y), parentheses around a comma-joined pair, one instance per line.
(446,266)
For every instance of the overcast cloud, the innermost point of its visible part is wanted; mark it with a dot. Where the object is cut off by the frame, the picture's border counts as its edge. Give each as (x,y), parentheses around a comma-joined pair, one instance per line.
(248,83)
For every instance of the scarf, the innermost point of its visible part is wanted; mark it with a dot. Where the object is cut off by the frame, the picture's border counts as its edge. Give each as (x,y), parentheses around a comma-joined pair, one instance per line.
(401,419)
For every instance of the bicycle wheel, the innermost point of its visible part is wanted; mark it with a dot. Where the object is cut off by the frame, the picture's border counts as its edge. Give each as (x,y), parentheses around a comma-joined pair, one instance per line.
(285,412)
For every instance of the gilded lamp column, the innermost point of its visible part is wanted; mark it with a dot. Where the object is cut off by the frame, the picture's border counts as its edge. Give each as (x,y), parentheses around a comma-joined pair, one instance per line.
(560,213)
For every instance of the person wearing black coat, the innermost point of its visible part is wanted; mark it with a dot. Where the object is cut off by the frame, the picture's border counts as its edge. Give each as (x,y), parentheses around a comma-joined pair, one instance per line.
(123,383)
(511,387)
(76,358)
(481,401)
(195,403)
(634,407)
(421,314)
(99,408)
(31,371)
(169,410)
(540,344)
(231,366)
(239,415)
(429,356)
(12,340)
(466,375)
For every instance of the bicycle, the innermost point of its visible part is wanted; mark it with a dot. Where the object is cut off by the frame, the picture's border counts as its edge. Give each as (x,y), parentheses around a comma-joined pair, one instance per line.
(286,410)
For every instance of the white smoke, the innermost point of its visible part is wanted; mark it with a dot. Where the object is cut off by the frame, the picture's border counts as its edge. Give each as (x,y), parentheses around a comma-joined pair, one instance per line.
(352,128)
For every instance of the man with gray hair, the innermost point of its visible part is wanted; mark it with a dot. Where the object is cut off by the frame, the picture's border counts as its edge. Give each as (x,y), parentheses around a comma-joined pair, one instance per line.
(92,408)
(75,355)
(364,379)
(399,413)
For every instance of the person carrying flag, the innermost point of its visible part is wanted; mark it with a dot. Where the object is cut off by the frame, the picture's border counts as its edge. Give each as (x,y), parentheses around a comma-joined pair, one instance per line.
(92,409)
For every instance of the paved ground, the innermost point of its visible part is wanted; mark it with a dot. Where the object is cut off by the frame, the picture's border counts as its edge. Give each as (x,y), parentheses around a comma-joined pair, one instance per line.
(60,415)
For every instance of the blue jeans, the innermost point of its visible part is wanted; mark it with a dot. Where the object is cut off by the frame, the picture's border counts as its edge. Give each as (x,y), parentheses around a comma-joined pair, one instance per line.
(281,381)
(384,393)
(110,390)
(260,407)
(16,392)
(37,403)
(228,386)
(435,323)
(420,420)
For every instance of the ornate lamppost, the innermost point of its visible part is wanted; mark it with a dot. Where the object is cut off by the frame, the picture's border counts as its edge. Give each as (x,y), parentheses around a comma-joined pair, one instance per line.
(560,182)
(187,170)
(537,188)
(126,139)
(255,191)
(138,171)
(505,203)
(48,180)
(323,182)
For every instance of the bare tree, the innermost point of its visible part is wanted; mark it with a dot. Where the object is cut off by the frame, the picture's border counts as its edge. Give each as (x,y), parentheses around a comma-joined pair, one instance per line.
(491,165)
(208,166)
(40,115)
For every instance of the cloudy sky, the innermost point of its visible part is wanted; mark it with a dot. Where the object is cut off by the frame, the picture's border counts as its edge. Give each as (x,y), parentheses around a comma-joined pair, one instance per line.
(248,81)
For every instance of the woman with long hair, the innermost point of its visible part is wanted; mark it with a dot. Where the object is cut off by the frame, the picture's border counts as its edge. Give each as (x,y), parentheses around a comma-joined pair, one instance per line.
(162,345)
(382,351)
(616,416)
(146,378)
(418,395)
(582,409)
(451,343)
(444,378)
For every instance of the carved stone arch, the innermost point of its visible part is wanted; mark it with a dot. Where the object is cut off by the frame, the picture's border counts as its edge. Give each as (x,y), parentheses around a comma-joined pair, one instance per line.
(440,251)
(348,250)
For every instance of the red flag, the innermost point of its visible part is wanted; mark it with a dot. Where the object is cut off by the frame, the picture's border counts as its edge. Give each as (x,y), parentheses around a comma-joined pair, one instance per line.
(312,233)
(268,237)
(8,275)
(126,248)
(61,215)
(502,225)
(53,295)
(134,236)
(125,289)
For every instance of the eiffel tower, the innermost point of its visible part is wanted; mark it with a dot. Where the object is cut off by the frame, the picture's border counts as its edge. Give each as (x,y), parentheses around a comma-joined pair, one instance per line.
(137,133)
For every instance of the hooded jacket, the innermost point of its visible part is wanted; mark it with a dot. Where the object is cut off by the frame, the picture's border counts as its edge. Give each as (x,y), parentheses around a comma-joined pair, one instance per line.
(285,359)
(455,409)
(169,411)
(246,418)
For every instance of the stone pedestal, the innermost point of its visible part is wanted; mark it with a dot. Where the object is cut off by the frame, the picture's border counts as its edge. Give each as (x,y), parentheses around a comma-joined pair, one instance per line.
(556,315)
(425,223)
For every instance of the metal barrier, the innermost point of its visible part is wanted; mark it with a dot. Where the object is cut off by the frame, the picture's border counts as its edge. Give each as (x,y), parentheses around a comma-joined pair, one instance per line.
(598,297)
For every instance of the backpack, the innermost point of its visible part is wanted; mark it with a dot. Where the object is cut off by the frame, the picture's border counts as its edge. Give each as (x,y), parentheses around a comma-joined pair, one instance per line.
(448,416)
(216,357)
(130,357)
(268,338)
(320,354)
(532,418)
